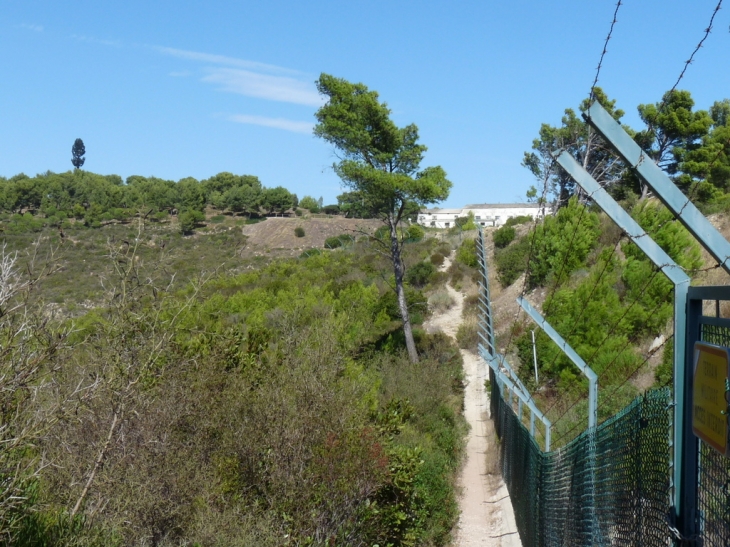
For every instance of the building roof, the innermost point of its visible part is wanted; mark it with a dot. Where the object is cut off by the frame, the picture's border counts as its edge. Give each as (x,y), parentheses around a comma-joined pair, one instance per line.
(444,211)
(502,206)
(482,206)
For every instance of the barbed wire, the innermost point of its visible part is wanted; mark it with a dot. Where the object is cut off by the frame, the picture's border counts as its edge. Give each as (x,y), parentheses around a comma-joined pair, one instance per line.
(628,344)
(668,94)
(608,335)
(615,390)
(543,202)
(603,53)
(699,45)
(565,260)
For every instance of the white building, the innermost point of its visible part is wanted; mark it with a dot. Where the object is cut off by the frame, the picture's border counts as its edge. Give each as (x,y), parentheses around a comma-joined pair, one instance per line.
(485,214)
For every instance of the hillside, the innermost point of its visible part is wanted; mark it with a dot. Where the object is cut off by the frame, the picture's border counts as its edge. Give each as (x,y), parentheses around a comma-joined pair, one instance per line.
(223,388)
(277,234)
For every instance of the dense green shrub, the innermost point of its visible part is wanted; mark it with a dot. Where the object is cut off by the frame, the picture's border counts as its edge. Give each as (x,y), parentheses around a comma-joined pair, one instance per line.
(416,301)
(188,220)
(511,261)
(561,243)
(467,253)
(503,236)
(415,232)
(338,241)
(299,231)
(515,221)
(437,259)
(420,274)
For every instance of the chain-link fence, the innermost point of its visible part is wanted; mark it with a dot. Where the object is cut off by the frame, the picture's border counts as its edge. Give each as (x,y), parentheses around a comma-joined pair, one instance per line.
(609,486)
(713,490)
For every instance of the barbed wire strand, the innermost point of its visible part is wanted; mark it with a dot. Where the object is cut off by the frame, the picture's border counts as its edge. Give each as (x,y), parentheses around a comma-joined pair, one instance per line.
(603,53)
(610,332)
(637,369)
(630,342)
(542,201)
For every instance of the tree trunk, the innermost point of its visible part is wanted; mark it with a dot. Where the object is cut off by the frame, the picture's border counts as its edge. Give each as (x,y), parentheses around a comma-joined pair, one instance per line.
(644,192)
(399,271)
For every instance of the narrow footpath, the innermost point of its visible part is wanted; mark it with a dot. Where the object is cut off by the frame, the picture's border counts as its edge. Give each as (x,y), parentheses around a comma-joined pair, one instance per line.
(486,517)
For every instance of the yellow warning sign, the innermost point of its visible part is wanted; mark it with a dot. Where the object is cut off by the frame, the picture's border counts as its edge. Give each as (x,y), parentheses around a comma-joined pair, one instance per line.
(709,402)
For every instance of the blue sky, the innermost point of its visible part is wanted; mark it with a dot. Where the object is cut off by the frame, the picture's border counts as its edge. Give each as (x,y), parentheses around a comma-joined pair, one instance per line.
(186,88)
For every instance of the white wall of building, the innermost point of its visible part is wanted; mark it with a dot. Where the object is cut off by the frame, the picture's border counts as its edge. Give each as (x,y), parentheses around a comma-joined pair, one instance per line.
(484,214)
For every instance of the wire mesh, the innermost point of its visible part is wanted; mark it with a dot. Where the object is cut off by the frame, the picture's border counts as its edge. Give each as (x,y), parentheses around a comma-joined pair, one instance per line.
(713,490)
(609,486)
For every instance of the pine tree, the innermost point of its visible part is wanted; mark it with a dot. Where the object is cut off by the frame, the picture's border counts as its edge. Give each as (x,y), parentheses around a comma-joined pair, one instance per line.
(78,150)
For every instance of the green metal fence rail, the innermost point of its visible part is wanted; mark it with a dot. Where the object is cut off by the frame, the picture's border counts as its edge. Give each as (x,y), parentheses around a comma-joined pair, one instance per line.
(620,496)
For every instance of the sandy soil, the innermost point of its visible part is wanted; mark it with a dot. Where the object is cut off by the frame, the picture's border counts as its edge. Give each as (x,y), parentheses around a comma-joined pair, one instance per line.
(486,510)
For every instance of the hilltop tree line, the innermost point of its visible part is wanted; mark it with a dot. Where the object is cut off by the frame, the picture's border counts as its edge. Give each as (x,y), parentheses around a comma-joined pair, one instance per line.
(691,146)
(51,199)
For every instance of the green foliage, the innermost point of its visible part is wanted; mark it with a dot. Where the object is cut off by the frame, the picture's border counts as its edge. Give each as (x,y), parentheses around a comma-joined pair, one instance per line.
(339,241)
(503,236)
(466,223)
(437,259)
(415,232)
(24,223)
(467,253)
(309,203)
(561,243)
(188,220)
(511,261)
(420,274)
(515,221)
(299,231)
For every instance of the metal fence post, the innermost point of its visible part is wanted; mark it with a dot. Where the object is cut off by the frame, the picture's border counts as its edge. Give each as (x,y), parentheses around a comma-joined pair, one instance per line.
(572,355)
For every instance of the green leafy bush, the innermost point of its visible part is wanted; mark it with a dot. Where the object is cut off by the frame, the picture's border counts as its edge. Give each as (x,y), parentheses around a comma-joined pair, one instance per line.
(299,231)
(561,244)
(503,236)
(338,241)
(437,259)
(189,219)
(467,253)
(511,261)
(420,274)
(515,221)
(415,232)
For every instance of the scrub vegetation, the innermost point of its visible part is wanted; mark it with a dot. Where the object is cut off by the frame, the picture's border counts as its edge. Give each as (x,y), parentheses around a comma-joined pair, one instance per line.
(276,406)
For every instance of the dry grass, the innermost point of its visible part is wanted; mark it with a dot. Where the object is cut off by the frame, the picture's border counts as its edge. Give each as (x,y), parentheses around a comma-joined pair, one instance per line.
(440,301)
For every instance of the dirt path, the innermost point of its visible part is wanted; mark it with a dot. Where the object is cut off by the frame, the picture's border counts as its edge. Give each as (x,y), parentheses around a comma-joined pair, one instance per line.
(486,511)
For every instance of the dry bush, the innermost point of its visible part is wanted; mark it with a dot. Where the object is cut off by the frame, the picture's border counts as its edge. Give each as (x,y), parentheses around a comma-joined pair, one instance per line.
(466,335)
(227,436)
(441,301)
(32,351)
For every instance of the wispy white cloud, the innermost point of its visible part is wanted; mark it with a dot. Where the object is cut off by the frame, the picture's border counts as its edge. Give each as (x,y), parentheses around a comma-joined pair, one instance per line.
(92,40)
(251,78)
(278,123)
(264,86)
(34,28)
(224,60)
